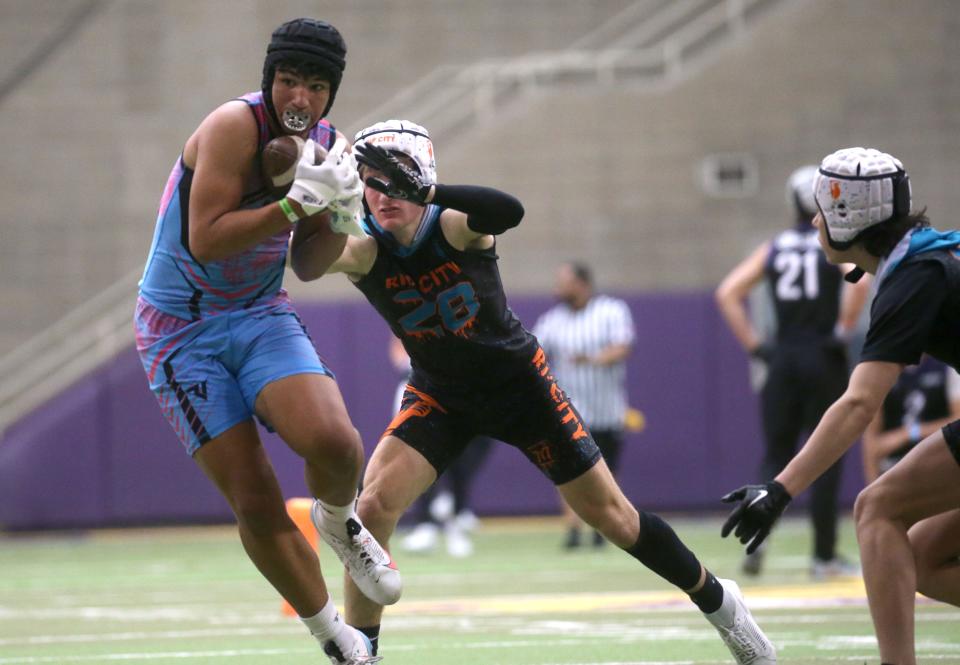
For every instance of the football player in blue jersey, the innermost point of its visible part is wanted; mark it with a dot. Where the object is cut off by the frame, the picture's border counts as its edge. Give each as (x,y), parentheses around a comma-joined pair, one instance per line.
(222,345)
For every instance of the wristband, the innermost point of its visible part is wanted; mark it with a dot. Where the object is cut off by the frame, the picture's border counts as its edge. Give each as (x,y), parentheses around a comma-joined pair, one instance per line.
(914,432)
(289,211)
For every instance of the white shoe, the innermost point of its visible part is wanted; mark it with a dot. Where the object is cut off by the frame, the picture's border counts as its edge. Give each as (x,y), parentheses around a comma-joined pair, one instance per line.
(441,508)
(459,544)
(358,653)
(467,520)
(739,631)
(369,565)
(422,539)
(838,566)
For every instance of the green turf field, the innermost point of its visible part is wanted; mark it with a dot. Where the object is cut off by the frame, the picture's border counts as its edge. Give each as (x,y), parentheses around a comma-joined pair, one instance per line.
(189,596)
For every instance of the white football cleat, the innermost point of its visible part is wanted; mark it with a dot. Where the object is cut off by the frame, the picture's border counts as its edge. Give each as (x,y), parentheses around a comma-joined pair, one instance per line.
(739,631)
(358,653)
(459,544)
(422,539)
(370,566)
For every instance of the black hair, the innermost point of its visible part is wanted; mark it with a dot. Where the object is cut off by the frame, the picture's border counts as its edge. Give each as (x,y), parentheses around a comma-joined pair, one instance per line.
(582,272)
(880,239)
(306,67)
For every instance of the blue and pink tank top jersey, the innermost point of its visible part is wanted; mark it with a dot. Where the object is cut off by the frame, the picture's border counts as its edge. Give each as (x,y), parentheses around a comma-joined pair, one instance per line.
(175,283)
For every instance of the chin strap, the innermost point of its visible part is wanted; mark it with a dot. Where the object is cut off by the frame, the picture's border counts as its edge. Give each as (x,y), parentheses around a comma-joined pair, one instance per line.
(854,275)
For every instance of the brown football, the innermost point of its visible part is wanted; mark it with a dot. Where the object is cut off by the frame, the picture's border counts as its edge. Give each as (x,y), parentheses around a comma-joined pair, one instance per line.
(278,163)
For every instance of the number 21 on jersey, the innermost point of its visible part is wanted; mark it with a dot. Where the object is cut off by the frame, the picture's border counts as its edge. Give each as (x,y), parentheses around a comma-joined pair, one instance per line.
(799,274)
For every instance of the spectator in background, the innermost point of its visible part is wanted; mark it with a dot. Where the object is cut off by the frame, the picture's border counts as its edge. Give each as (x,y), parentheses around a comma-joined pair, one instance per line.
(448,511)
(924,399)
(589,337)
(222,345)
(807,369)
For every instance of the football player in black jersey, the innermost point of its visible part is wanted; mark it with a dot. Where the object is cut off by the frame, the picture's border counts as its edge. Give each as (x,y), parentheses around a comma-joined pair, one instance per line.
(865,218)
(429,267)
(924,399)
(805,356)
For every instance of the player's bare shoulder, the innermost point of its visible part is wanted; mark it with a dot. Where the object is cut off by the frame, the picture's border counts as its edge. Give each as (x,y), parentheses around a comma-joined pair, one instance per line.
(230,130)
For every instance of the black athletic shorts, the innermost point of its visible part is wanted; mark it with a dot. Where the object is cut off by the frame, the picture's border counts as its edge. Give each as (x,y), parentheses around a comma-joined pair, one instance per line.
(951,433)
(610,443)
(530,412)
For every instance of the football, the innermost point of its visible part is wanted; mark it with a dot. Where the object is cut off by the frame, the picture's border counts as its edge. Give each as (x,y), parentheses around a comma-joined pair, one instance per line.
(278,163)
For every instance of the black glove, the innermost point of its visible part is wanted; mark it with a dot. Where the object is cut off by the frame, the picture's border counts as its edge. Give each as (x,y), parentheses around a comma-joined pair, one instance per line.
(760,506)
(402,181)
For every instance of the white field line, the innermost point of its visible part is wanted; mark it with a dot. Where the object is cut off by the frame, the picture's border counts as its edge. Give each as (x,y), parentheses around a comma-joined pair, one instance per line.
(647,627)
(115,657)
(250,653)
(644,635)
(802,596)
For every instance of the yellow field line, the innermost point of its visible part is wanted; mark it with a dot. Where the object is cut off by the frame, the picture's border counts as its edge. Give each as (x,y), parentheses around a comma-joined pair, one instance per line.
(839,591)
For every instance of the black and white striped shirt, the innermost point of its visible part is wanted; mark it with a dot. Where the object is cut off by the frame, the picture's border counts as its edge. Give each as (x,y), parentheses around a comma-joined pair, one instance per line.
(598,392)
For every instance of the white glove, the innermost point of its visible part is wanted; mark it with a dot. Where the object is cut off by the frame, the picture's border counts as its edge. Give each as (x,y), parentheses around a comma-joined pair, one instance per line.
(346,217)
(346,211)
(316,186)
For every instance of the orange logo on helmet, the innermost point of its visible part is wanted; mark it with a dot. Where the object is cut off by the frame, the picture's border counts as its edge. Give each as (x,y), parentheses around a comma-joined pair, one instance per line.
(835,189)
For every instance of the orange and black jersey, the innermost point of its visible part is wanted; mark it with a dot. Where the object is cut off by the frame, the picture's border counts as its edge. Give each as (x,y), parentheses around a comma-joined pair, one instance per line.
(448,308)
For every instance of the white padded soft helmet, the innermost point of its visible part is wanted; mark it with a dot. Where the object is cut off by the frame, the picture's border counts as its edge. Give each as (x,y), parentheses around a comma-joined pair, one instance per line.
(800,191)
(857,188)
(403,136)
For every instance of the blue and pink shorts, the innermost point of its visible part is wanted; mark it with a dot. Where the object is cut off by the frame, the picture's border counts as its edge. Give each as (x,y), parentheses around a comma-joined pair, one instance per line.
(207,374)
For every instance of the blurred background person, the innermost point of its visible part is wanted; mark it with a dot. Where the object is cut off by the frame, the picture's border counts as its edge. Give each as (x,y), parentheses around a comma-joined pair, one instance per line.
(587,338)
(444,508)
(923,400)
(814,312)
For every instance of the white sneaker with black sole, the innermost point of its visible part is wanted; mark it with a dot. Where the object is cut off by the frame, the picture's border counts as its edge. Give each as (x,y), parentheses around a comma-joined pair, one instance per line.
(370,566)
(738,629)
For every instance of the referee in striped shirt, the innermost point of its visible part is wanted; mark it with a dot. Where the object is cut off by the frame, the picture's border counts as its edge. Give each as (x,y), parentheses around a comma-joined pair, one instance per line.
(587,338)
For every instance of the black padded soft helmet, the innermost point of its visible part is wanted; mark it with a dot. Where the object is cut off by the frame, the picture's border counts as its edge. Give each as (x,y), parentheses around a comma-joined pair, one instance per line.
(310,40)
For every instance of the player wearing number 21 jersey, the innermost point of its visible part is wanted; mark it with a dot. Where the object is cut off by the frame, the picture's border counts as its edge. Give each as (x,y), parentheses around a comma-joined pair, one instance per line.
(805,355)
(429,267)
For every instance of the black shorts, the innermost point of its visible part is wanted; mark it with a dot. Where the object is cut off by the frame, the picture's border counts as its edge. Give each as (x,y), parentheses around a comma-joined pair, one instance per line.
(531,413)
(951,434)
(610,442)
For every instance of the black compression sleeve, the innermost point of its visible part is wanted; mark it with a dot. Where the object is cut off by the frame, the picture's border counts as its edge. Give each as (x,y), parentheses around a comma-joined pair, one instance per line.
(488,210)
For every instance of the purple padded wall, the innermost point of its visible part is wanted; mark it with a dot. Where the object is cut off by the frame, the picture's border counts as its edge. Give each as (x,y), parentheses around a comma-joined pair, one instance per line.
(101,453)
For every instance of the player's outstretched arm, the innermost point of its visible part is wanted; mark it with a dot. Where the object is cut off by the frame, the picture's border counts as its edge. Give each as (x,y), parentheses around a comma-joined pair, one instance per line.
(759,506)
(487,211)
(311,257)
(842,424)
(484,210)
